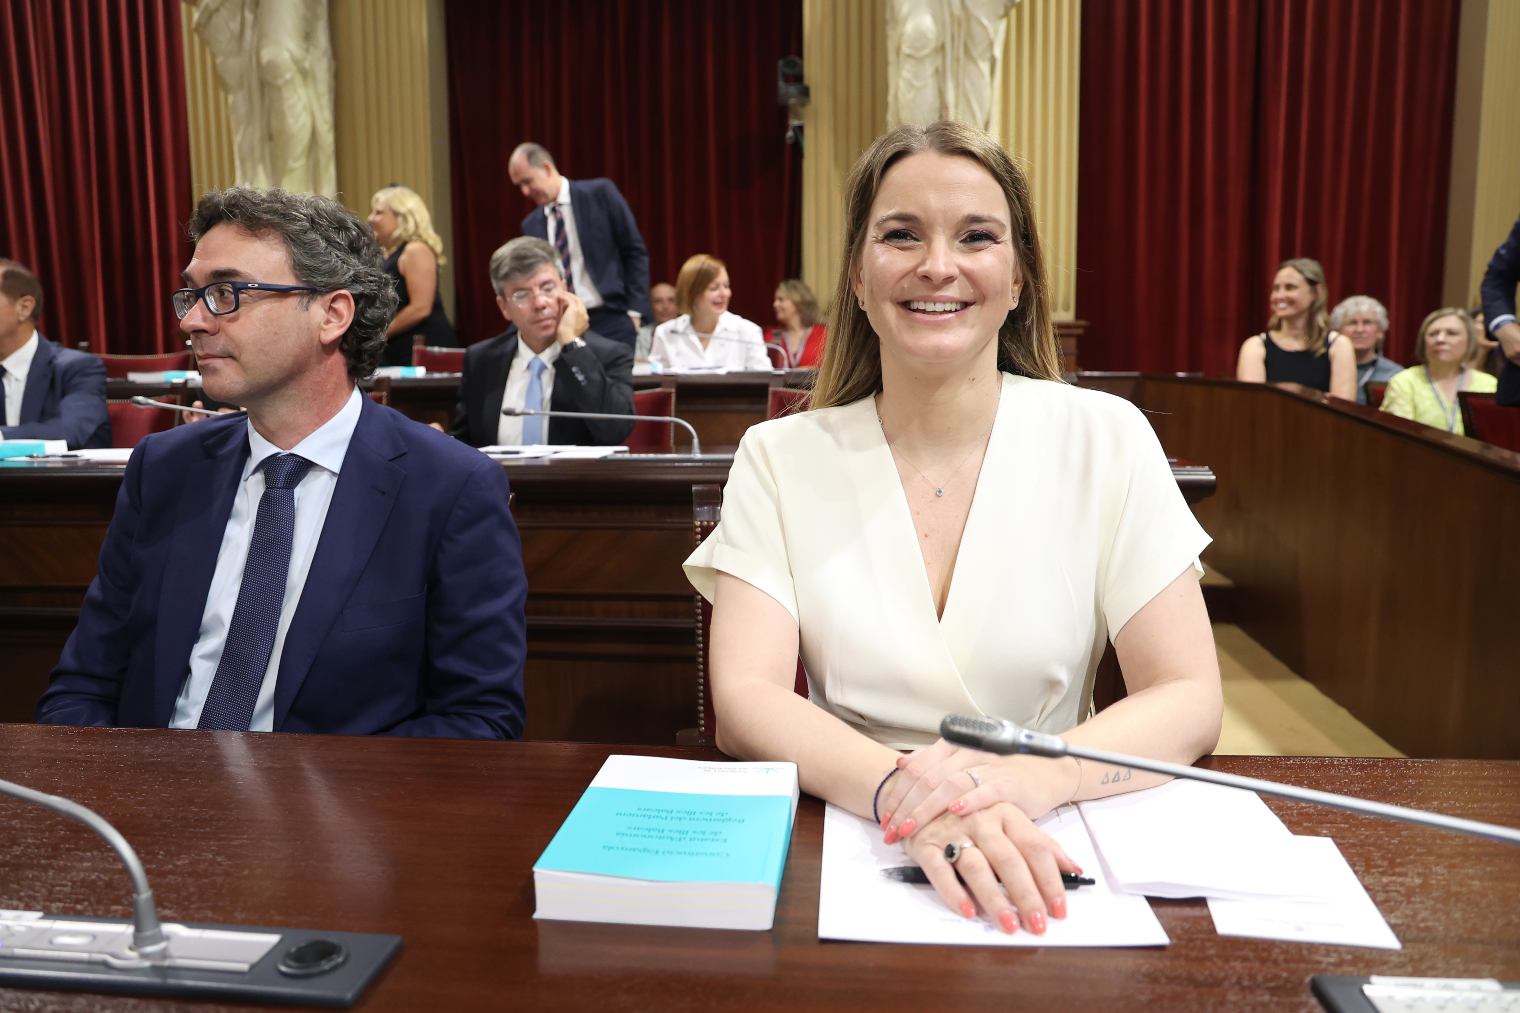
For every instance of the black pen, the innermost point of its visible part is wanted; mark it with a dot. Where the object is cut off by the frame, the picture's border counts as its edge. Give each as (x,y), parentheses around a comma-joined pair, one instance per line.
(913,874)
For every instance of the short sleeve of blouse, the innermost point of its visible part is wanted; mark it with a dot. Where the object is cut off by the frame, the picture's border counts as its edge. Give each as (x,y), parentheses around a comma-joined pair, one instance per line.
(748,542)
(1154,536)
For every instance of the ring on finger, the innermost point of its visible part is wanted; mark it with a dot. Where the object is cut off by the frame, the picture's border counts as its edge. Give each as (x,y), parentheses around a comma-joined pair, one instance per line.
(954,851)
(976,782)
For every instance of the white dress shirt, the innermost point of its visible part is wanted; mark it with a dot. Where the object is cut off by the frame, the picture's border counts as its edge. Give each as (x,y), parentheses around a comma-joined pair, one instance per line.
(15,367)
(736,344)
(814,515)
(579,276)
(325,449)
(509,428)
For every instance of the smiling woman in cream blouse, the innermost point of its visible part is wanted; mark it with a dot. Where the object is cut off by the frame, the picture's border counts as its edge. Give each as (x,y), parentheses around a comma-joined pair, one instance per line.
(706,335)
(952,529)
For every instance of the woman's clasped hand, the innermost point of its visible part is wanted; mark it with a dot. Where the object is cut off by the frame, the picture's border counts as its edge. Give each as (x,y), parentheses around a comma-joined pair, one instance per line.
(984,807)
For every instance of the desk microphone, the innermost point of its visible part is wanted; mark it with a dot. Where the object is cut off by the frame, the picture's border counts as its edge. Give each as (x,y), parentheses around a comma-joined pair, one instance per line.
(218,961)
(148,402)
(696,444)
(994,735)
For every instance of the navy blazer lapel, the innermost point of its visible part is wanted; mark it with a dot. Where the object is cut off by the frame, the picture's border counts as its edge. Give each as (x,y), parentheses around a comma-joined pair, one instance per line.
(208,489)
(38,377)
(496,362)
(361,503)
(590,227)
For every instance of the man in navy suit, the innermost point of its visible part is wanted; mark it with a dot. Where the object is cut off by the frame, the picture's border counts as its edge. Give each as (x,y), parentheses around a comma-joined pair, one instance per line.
(547,359)
(47,392)
(1499,311)
(320,563)
(591,227)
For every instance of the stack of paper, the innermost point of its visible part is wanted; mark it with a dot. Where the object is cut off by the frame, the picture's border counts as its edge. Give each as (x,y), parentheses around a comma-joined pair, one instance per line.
(1192,839)
(857,901)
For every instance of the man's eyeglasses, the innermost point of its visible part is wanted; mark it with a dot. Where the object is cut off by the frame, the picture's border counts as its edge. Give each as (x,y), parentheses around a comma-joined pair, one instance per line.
(523,296)
(224,297)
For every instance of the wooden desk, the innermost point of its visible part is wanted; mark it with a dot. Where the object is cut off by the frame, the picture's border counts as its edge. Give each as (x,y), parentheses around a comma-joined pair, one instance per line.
(435,840)
(1375,557)
(611,620)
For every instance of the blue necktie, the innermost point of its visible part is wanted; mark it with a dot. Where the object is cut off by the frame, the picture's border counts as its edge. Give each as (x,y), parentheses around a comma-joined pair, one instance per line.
(256,616)
(562,244)
(533,401)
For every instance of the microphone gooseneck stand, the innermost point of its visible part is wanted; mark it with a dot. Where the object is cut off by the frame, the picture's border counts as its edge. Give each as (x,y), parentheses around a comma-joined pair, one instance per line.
(1004,737)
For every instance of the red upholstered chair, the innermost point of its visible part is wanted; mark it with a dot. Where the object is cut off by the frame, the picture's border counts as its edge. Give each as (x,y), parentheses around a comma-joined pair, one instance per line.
(1375,391)
(118,366)
(435,359)
(706,504)
(777,354)
(785,401)
(1484,420)
(653,437)
(129,423)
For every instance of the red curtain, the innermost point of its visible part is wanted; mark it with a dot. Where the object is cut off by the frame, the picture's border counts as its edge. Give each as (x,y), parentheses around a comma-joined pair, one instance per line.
(96,165)
(673,101)
(1218,139)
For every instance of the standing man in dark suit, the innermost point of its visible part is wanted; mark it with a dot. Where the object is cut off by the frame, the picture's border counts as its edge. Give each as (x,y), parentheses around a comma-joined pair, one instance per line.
(1499,311)
(546,360)
(320,563)
(47,392)
(591,228)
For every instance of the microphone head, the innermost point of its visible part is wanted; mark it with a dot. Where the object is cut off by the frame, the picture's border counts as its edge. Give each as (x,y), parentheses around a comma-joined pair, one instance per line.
(143,402)
(994,735)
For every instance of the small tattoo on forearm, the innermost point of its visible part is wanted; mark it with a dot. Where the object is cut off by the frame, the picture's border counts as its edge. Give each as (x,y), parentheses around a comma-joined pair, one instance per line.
(1115,776)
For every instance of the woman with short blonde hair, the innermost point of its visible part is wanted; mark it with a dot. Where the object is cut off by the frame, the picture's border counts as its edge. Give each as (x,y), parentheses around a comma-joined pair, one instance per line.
(706,335)
(1427,393)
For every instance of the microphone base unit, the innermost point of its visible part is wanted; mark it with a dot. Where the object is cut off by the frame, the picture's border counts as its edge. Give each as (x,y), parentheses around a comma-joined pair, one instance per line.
(226,962)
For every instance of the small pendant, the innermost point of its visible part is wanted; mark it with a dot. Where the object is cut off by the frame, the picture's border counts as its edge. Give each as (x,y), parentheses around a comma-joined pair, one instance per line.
(938,491)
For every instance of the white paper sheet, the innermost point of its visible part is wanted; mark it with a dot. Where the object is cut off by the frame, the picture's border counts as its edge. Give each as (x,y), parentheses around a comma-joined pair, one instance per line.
(857,902)
(1341,914)
(1192,839)
(106,455)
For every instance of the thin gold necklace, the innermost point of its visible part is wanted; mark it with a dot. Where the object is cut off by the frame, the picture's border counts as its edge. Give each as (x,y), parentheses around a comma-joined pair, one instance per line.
(939,488)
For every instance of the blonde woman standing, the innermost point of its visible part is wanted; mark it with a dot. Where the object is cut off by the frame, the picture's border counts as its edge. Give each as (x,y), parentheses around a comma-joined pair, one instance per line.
(413,255)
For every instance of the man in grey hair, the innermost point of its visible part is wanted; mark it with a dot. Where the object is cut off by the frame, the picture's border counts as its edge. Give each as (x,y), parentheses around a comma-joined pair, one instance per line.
(317,562)
(593,233)
(548,360)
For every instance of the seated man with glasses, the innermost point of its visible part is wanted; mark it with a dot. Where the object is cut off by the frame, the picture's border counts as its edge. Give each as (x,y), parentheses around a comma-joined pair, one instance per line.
(319,563)
(546,361)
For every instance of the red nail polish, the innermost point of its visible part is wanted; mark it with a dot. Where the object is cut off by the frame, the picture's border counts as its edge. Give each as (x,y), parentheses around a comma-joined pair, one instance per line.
(891,837)
(886,821)
(968,909)
(1008,922)
(958,806)
(907,828)
(1037,923)
(1058,908)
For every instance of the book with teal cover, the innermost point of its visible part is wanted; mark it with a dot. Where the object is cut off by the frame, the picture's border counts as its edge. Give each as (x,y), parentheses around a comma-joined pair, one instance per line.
(660,841)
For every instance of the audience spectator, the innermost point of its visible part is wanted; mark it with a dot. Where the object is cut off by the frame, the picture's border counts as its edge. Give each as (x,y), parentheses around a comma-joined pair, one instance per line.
(547,360)
(801,334)
(662,302)
(413,255)
(1298,345)
(1498,289)
(1364,321)
(706,335)
(1428,392)
(592,229)
(47,391)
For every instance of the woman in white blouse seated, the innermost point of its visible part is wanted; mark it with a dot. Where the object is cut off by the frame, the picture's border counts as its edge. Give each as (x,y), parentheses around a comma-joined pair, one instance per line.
(952,529)
(706,335)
